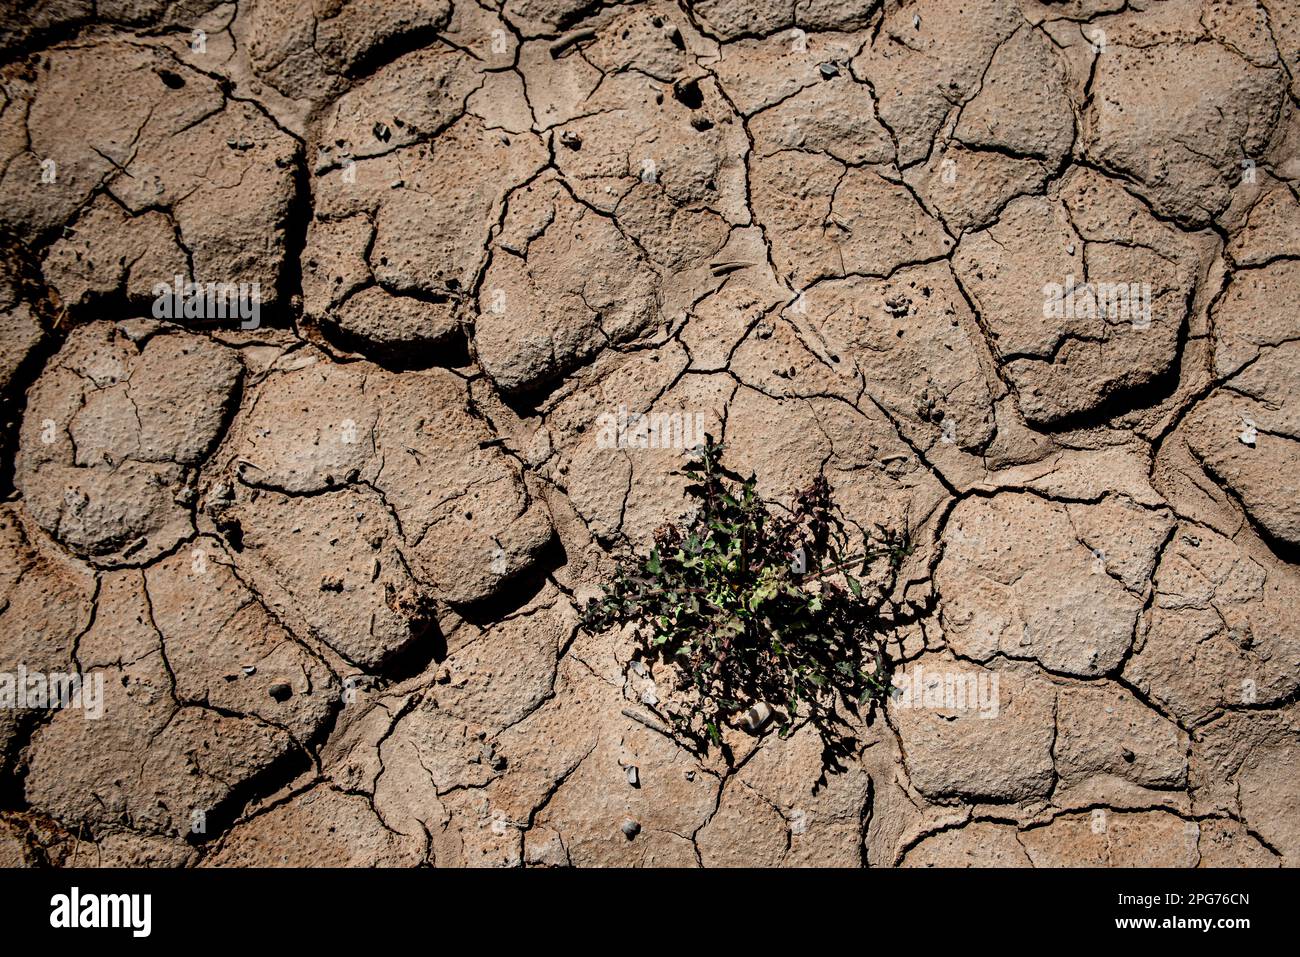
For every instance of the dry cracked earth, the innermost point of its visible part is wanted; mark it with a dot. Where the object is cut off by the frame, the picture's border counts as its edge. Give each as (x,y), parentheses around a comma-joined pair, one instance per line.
(328,563)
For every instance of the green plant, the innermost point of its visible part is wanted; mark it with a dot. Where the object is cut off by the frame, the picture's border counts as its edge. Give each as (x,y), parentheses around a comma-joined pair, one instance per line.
(748,603)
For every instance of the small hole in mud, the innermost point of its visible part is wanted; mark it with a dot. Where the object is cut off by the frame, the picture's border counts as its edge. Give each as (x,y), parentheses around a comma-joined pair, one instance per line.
(689,95)
(173,81)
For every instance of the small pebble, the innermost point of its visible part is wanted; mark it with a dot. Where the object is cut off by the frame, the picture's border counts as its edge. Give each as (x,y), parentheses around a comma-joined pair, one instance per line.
(488,755)
(630,829)
(756,717)
(281,692)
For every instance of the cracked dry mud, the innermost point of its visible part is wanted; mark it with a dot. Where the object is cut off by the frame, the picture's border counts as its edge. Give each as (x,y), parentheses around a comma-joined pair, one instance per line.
(329,567)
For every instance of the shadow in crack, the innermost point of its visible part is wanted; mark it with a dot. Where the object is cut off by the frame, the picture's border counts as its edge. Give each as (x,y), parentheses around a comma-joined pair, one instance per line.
(451,353)
(528,402)
(266,782)
(429,647)
(519,590)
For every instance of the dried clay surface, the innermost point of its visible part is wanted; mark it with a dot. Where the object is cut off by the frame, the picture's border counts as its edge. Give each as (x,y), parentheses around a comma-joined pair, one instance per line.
(1019,277)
